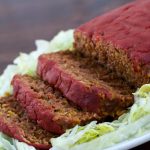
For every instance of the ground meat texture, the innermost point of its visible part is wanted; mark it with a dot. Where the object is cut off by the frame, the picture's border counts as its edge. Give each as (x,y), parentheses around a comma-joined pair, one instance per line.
(120,40)
(15,123)
(47,106)
(86,83)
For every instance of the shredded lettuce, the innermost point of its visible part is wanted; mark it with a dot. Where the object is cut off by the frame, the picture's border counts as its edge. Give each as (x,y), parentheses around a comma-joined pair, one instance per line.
(7,143)
(62,41)
(26,64)
(144,90)
(95,132)
(134,123)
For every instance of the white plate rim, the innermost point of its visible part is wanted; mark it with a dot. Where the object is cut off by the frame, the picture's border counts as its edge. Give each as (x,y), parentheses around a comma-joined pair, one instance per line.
(131,143)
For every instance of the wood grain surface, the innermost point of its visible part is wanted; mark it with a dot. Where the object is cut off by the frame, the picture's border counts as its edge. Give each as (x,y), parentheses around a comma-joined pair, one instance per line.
(23,21)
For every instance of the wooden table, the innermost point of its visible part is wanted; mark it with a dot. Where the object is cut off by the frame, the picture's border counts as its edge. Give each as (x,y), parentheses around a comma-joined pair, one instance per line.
(23,21)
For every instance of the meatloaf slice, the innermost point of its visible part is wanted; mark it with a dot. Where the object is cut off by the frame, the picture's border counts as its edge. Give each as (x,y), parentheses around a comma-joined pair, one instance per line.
(47,106)
(120,40)
(15,123)
(87,84)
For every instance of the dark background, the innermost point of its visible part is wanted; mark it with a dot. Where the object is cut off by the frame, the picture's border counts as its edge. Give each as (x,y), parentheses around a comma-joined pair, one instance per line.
(23,21)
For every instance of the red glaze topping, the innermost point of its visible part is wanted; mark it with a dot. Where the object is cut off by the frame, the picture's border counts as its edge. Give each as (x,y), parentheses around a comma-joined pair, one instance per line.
(127,27)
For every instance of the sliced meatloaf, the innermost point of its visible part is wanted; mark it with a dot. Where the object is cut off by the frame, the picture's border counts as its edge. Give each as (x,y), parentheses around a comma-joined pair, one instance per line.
(120,40)
(15,123)
(47,106)
(86,83)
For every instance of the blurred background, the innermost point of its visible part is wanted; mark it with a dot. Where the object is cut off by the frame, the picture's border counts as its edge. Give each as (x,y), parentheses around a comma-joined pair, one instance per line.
(23,21)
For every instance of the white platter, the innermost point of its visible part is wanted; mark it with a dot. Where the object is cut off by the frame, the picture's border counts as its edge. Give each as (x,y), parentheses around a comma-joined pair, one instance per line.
(131,143)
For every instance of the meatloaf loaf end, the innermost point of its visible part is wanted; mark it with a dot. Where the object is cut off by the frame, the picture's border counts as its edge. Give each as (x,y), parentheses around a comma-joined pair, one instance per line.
(87,84)
(120,40)
(15,123)
(47,106)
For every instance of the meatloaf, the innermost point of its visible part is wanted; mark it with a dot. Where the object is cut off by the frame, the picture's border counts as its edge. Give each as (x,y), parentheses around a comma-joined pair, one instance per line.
(47,106)
(120,40)
(86,83)
(15,123)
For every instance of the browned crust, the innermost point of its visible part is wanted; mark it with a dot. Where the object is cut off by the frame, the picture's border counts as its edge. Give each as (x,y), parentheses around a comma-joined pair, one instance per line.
(114,58)
(47,106)
(14,122)
(100,98)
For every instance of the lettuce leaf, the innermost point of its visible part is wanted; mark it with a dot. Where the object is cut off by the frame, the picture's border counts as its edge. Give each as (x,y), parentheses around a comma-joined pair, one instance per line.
(7,143)
(134,123)
(144,90)
(26,64)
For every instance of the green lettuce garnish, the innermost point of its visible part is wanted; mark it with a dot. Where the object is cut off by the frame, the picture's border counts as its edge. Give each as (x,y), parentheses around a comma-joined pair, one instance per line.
(134,123)
(95,132)
(26,64)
